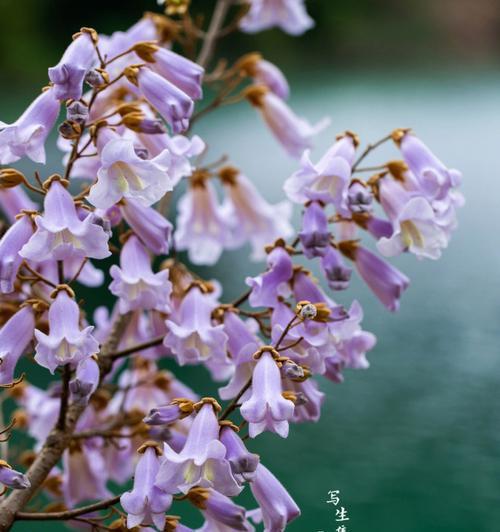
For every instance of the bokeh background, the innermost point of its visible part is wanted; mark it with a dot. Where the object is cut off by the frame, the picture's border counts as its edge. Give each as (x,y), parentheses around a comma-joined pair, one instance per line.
(413,443)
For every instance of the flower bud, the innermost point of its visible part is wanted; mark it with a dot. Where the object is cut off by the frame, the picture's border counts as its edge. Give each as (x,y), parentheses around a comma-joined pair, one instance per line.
(70,129)
(9,177)
(77,112)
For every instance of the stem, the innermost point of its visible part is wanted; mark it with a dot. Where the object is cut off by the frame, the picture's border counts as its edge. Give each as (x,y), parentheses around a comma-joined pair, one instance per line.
(369,149)
(139,347)
(61,422)
(68,514)
(208,47)
(241,299)
(60,271)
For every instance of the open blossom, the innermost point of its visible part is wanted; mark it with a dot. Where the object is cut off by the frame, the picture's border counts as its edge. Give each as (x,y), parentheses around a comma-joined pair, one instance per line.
(10,244)
(289,15)
(328,179)
(278,508)
(243,463)
(294,133)
(68,75)
(146,503)
(135,283)
(191,335)
(267,409)
(15,336)
(416,227)
(13,201)
(267,287)
(123,174)
(252,218)
(61,234)
(27,135)
(66,343)
(202,459)
(148,224)
(314,237)
(201,228)
(171,102)
(11,478)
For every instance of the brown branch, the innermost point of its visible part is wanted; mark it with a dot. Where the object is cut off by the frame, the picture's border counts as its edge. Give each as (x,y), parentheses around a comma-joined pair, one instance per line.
(139,347)
(61,421)
(67,514)
(207,49)
(58,440)
(369,149)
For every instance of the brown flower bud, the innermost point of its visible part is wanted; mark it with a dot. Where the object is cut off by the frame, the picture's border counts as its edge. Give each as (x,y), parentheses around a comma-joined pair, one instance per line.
(9,177)
(146,50)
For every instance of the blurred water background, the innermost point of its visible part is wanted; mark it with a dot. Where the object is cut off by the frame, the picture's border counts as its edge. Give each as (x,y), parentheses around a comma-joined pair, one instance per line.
(413,443)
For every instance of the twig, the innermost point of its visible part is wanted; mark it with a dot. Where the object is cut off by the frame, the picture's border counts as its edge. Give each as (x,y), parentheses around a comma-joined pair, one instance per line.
(67,514)
(139,347)
(61,421)
(220,12)
(369,149)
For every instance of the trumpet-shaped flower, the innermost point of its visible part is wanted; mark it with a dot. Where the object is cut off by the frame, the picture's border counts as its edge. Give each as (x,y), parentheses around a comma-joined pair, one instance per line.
(61,234)
(289,15)
(27,135)
(66,343)
(11,478)
(135,283)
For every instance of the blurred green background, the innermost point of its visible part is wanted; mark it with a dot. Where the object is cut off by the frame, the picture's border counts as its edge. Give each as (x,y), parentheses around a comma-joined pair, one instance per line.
(413,443)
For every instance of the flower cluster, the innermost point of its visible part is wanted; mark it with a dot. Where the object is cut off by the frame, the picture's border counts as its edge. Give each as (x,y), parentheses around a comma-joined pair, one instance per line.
(116,414)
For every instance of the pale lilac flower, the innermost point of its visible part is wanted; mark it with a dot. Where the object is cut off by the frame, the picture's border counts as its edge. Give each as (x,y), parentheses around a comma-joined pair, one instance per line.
(86,380)
(84,475)
(252,217)
(222,514)
(434,178)
(61,234)
(265,73)
(278,508)
(68,75)
(134,282)
(289,15)
(123,174)
(14,200)
(294,133)
(149,225)
(201,228)
(267,409)
(167,414)
(328,179)
(26,136)
(10,244)
(66,343)
(202,460)
(243,463)
(183,73)
(146,503)
(11,478)
(172,103)
(385,281)
(337,274)
(309,400)
(267,287)
(314,236)
(359,197)
(191,337)
(15,336)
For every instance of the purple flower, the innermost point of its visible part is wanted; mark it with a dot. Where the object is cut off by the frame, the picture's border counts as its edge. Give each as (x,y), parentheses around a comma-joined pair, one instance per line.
(278,508)
(267,287)
(61,234)
(149,225)
(15,336)
(202,459)
(14,200)
(11,243)
(86,380)
(172,103)
(328,179)
(294,133)
(135,283)
(66,343)
(123,174)
(192,338)
(314,236)
(252,217)
(243,463)
(222,513)
(336,272)
(383,279)
(265,73)
(68,75)
(146,503)
(432,175)
(267,409)
(202,230)
(167,414)
(359,197)
(289,15)
(183,73)
(309,400)
(11,478)
(26,136)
